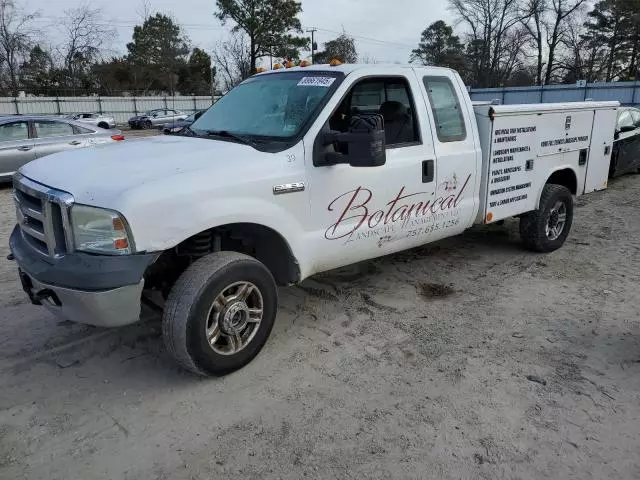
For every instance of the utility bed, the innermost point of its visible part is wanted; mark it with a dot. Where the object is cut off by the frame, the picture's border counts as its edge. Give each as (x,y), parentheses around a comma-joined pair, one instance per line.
(518,139)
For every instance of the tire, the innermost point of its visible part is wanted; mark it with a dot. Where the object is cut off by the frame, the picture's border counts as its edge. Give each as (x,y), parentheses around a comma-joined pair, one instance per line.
(613,165)
(146,125)
(103,125)
(192,301)
(534,225)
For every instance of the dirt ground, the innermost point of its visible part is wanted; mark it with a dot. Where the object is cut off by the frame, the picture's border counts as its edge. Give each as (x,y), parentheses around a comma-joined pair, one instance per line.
(467,359)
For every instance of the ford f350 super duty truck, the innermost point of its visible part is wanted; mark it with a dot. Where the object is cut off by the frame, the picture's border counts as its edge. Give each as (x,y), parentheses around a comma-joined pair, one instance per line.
(292,173)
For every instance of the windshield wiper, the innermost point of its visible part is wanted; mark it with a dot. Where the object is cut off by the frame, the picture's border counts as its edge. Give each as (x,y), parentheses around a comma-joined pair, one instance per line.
(233,136)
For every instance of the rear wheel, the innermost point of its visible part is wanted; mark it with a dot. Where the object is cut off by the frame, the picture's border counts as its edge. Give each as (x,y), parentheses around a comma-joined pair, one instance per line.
(220,313)
(103,125)
(546,229)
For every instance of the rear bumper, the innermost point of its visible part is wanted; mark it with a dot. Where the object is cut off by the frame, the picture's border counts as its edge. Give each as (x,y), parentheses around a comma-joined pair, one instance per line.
(93,289)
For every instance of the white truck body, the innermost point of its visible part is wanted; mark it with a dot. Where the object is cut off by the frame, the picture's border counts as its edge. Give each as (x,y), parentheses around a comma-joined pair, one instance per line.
(459,165)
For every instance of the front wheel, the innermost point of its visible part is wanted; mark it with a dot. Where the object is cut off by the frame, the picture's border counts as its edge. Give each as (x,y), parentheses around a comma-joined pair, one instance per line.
(546,229)
(147,124)
(220,313)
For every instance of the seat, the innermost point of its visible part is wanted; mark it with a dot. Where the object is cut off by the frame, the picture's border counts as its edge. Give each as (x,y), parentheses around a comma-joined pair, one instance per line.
(398,124)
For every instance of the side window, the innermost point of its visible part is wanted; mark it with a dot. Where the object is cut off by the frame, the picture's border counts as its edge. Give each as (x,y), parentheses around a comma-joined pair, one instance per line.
(81,130)
(389,97)
(625,119)
(446,109)
(46,129)
(636,117)
(14,131)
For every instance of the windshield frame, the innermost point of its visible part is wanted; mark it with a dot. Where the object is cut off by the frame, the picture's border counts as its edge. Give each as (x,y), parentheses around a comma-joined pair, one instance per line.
(281,143)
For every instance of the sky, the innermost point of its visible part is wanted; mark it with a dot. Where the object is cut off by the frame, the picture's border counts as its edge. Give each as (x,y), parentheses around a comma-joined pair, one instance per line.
(385,30)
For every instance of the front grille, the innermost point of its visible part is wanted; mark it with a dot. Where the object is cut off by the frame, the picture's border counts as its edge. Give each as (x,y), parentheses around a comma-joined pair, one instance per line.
(43,215)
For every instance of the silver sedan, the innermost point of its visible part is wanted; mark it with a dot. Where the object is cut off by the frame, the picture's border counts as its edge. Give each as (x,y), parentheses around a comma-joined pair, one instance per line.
(25,138)
(97,119)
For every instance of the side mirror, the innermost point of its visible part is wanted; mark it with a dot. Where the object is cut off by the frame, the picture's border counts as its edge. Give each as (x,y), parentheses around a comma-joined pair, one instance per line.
(363,145)
(628,128)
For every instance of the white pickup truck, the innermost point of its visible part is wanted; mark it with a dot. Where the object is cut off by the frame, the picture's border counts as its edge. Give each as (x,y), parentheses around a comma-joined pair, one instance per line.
(292,173)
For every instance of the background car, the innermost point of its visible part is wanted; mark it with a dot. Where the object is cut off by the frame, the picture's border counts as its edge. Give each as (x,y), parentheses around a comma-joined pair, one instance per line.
(25,138)
(97,119)
(156,118)
(626,147)
(177,127)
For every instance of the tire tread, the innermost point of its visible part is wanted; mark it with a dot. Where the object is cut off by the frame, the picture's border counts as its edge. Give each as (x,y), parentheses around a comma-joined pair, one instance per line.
(181,299)
(529,232)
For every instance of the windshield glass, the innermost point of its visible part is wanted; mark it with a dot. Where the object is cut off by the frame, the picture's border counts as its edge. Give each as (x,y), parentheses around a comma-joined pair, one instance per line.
(273,105)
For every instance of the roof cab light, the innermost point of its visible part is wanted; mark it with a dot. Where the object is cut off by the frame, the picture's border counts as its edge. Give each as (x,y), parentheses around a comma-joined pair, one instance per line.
(335,62)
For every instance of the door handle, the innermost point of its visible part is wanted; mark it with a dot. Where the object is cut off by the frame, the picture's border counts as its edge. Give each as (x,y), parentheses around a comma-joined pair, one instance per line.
(427,171)
(75,142)
(24,148)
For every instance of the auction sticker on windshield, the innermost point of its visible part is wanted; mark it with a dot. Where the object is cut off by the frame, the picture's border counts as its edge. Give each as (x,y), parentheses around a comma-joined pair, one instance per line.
(316,81)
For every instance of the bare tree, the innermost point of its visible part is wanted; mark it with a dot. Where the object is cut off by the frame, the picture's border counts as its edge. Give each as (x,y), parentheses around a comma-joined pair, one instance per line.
(533,14)
(367,58)
(233,60)
(488,23)
(561,11)
(85,36)
(16,34)
(144,10)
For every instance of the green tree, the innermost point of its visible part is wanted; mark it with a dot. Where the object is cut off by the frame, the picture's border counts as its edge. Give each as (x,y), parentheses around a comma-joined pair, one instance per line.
(36,72)
(157,53)
(268,24)
(343,48)
(196,75)
(615,24)
(439,47)
(114,76)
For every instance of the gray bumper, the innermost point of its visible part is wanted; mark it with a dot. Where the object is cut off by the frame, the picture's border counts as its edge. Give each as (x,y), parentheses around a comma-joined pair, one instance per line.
(105,308)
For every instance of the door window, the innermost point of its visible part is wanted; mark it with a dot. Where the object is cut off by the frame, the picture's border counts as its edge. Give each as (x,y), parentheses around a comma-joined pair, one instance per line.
(636,117)
(46,129)
(389,97)
(446,109)
(14,131)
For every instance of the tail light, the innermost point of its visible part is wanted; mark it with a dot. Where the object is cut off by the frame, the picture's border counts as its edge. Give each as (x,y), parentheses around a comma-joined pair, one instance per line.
(117,138)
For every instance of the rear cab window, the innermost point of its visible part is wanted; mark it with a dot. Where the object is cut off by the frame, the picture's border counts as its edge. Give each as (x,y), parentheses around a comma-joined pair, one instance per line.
(445,105)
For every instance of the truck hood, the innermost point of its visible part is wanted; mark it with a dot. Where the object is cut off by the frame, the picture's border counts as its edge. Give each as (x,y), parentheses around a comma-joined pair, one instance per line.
(100,174)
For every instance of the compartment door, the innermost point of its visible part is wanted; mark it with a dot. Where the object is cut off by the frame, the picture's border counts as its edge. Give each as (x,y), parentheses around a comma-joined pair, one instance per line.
(604,125)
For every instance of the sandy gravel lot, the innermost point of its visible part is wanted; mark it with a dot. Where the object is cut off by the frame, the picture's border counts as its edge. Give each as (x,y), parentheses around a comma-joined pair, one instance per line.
(467,359)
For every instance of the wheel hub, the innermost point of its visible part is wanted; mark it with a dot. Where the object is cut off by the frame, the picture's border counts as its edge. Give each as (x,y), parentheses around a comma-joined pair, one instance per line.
(234,318)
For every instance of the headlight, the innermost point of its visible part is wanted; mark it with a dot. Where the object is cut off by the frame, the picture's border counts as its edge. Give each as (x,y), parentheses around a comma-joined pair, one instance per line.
(98,230)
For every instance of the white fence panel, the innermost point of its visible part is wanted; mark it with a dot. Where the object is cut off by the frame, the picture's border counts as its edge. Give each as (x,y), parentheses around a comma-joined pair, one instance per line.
(121,108)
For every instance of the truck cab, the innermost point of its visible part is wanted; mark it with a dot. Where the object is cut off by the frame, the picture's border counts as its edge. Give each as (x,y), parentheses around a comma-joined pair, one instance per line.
(292,173)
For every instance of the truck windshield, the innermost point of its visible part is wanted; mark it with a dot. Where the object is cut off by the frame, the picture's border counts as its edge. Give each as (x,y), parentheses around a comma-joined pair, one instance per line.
(274,106)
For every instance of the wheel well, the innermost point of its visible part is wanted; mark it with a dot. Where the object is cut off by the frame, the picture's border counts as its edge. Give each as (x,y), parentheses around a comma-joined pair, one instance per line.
(566,178)
(258,241)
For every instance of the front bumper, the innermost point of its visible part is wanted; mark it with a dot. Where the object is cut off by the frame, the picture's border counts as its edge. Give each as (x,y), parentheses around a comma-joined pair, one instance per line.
(106,308)
(92,289)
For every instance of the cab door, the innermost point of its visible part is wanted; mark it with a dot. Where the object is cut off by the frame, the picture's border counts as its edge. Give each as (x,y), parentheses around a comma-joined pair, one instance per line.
(361,213)
(456,147)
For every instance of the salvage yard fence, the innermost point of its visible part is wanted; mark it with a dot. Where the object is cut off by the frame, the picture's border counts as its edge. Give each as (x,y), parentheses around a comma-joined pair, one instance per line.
(121,108)
(627,93)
